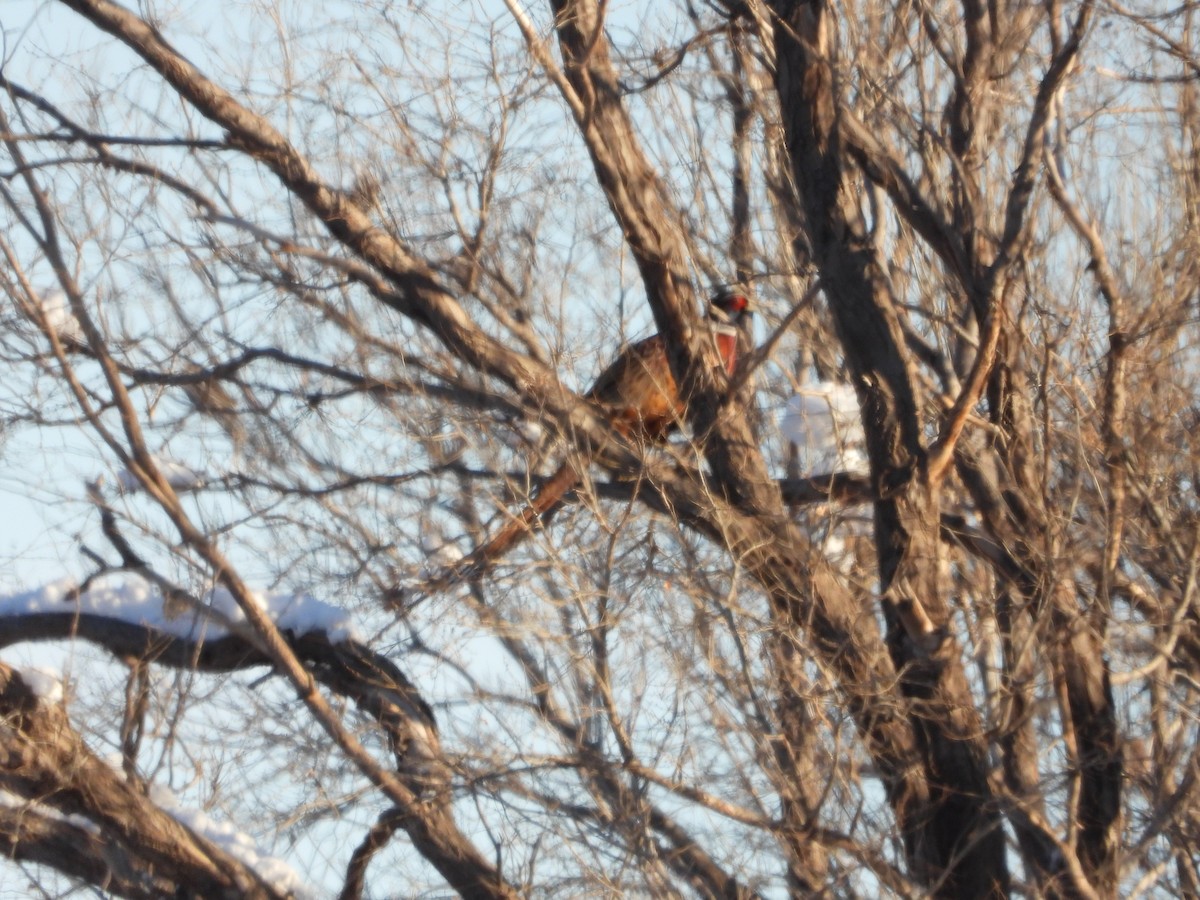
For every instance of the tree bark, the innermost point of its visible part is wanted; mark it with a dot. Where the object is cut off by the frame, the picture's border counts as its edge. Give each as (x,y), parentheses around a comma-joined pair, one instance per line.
(954,842)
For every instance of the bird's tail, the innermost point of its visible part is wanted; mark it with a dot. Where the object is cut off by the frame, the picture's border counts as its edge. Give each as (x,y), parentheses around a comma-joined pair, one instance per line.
(483,557)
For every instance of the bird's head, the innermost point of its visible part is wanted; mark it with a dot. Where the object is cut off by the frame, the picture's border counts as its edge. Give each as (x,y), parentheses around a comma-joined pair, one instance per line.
(730,305)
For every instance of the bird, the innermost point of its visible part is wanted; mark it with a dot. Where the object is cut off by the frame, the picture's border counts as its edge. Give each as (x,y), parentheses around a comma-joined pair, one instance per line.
(639,397)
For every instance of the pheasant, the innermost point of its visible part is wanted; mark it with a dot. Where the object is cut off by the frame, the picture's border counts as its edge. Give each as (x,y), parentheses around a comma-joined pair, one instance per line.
(640,398)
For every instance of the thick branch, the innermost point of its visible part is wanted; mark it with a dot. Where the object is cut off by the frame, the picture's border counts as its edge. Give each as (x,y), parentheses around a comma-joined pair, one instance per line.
(952,833)
(45,761)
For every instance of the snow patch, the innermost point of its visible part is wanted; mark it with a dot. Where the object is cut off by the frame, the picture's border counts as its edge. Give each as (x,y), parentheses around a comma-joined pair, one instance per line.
(273,870)
(824,423)
(130,598)
(178,476)
(439,551)
(46,684)
(56,310)
(440,554)
(10,800)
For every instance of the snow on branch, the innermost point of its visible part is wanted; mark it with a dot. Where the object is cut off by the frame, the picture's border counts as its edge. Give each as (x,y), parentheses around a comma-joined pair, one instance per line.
(234,842)
(130,598)
(81,816)
(178,476)
(125,615)
(55,312)
(45,684)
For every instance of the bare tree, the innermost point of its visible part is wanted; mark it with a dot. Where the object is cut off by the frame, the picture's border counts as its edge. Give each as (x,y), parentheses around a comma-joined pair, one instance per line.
(312,307)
